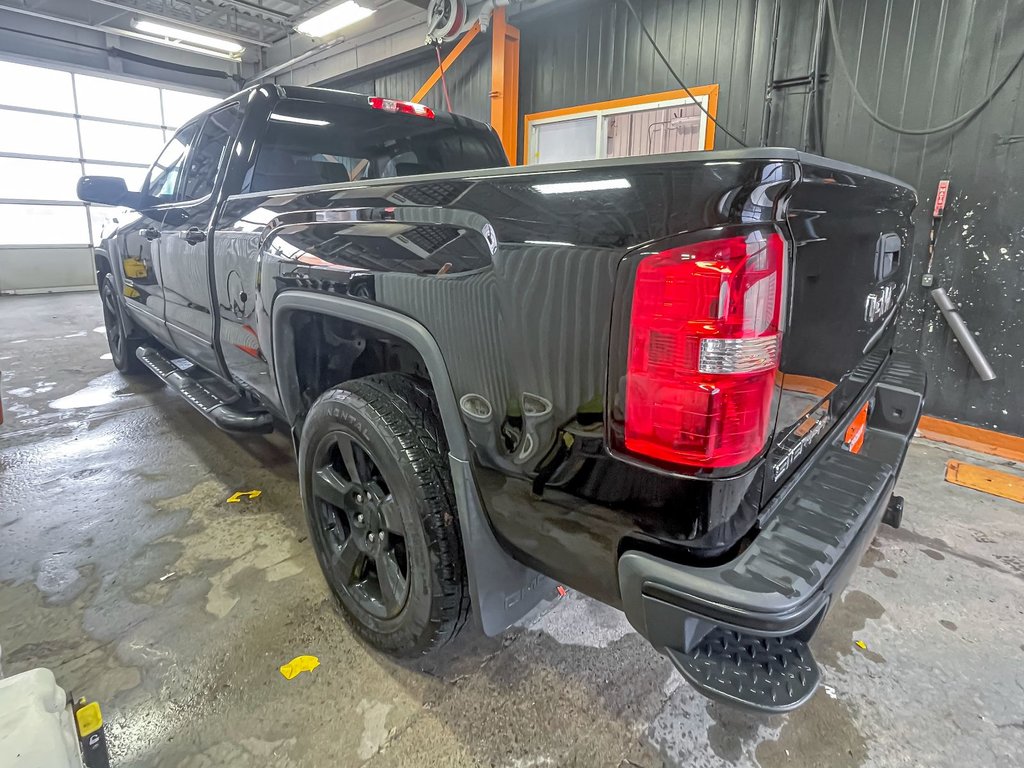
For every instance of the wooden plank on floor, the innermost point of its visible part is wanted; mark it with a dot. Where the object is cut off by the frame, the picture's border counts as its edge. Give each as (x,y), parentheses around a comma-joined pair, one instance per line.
(991,481)
(974,438)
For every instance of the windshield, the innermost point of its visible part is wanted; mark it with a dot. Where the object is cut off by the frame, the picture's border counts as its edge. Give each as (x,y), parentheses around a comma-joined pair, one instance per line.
(311,142)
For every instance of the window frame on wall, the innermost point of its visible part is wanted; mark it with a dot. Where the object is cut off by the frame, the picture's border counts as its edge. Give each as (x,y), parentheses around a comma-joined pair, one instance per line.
(72,110)
(705,95)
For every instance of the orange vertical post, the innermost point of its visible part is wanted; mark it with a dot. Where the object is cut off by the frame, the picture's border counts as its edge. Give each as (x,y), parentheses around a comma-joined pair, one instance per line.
(447,63)
(505,82)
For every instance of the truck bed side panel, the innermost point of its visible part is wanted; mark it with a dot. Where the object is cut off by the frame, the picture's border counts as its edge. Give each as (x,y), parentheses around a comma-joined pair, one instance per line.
(513,272)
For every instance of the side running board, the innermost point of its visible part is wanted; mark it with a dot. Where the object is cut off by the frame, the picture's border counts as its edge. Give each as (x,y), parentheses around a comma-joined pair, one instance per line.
(221,411)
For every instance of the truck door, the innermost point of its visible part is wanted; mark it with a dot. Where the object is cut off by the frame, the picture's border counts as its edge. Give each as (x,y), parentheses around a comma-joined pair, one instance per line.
(185,242)
(141,237)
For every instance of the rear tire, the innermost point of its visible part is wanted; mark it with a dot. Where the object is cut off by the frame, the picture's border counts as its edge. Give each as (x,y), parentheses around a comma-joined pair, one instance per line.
(122,346)
(378,497)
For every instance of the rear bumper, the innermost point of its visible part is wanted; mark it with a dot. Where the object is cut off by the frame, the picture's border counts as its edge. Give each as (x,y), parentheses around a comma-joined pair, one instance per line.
(813,535)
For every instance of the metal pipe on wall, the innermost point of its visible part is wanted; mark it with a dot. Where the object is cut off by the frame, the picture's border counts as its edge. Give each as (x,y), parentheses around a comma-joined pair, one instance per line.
(769,82)
(963,334)
(812,107)
(306,56)
(483,16)
(293,62)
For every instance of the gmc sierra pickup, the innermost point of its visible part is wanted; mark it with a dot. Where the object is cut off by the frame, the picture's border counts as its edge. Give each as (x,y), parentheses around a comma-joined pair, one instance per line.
(668,382)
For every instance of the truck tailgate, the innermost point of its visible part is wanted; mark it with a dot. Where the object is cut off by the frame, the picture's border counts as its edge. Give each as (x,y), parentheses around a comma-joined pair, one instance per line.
(852,232)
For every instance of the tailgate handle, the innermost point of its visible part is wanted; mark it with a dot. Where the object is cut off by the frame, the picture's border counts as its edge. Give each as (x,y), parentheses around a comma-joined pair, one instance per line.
(887,255)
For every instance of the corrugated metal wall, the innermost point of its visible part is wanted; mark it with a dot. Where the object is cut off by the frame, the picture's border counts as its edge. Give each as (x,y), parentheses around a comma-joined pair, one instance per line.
(469,81)
(918,62)
(595,52)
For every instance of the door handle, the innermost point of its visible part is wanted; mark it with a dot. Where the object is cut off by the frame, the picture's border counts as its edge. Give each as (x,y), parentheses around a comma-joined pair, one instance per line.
(887,255)
(194,235)
(150,233)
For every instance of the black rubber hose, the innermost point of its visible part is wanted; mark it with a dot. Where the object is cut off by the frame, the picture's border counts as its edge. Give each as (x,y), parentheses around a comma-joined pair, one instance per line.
(956,121)
(657,50)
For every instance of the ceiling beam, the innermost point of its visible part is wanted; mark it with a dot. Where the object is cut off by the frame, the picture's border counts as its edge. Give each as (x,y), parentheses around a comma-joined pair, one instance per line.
(213,16)
(253,8)
(183,23)
(110,18)
(345,46)
(111,33)
(49,17)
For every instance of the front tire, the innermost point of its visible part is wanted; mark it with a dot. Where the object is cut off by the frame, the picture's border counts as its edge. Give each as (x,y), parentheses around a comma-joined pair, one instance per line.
(379,502)
(122,346)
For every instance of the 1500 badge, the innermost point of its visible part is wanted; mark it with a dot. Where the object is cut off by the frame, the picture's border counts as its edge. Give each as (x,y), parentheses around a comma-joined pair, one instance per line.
(807,438)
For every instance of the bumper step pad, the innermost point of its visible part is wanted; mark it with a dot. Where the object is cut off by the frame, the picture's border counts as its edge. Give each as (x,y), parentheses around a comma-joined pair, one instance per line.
(767,674)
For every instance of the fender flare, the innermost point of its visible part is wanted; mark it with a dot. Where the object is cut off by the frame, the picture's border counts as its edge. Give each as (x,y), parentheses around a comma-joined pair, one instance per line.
(101,254)
(502,590)
(114,269)
(373,316)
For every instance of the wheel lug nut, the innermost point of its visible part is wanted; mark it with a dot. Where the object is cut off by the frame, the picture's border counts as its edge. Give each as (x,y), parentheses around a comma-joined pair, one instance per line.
(370,537)
(359,498)
(359,518)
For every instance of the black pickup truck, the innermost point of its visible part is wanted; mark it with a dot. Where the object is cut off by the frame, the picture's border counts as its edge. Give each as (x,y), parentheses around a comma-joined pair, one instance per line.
(667,382)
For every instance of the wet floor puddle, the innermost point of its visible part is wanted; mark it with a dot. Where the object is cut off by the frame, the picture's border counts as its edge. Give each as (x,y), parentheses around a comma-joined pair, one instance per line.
(104,390)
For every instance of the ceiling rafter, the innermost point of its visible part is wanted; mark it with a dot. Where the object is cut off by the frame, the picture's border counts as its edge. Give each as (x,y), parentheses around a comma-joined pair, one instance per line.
(204,15)
(241,9)
(258,10)
(256,24)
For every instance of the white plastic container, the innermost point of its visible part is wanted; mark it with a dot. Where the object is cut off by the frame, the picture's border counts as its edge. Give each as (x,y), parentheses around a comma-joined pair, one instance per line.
(37,729)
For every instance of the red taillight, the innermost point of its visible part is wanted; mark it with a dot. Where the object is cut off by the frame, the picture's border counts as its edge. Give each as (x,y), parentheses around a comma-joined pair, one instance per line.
(703,351)
(404,107)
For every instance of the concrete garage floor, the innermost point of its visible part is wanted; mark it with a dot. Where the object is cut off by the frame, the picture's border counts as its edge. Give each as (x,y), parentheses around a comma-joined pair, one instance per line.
(123,569)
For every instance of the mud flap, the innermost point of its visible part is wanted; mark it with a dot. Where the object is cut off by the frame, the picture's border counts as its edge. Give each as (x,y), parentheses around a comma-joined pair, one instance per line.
(502,589)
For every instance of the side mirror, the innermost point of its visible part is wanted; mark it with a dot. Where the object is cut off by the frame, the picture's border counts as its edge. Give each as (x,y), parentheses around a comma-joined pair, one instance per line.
(105,190)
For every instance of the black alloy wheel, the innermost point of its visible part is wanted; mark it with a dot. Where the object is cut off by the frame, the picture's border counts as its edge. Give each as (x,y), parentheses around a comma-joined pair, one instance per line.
(122,346)
(379,502)
(359,524)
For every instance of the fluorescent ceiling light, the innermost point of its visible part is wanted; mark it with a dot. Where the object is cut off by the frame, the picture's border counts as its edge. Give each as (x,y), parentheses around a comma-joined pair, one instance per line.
(300,120)
(581,186)
(333,19)
(174,34)
(169,43)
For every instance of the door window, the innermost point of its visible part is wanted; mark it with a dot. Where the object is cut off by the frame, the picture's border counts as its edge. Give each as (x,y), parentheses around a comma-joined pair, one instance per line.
(211,150)
(162,182)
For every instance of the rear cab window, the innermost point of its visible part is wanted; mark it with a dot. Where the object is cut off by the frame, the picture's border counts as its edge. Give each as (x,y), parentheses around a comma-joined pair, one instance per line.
(310,143)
